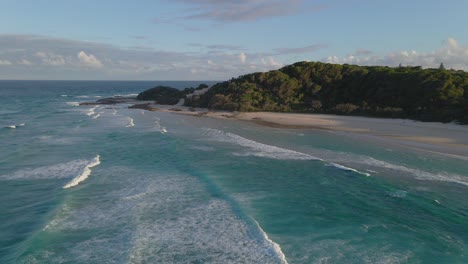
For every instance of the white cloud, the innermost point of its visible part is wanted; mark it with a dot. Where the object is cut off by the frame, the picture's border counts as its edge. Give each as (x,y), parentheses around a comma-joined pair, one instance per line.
(5,62)
(242,57)
(274,63)
(41,54)
(210,62)
(51,59)
(270,63)
(25,62)
(452,54)
(89,60)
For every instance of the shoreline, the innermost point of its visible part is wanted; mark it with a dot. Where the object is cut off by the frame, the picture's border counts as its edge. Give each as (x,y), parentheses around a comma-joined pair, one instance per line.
(438,138)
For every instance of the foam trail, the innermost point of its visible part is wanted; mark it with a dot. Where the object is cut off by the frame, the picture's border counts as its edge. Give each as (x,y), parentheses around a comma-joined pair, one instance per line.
(85,173)
(276,246)
(73,103)
(130,122)
(88,96)
(91,111)
(260,149)
(341,167)
(96,116)
(15,126)
(420,175)
(161,129)
(125,95)
(57,171)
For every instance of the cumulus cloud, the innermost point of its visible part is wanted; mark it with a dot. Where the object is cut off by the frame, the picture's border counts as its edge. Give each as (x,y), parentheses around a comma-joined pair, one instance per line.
(89,60)
(25,62)
(42,57)
(5,62)
(270,63)
(452,54)
(242,57)
(51,58)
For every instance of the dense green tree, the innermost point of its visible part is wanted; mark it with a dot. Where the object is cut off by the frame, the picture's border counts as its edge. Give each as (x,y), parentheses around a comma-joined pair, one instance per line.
(403,91)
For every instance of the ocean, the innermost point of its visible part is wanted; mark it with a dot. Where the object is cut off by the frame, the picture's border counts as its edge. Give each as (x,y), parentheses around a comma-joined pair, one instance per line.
(108,184)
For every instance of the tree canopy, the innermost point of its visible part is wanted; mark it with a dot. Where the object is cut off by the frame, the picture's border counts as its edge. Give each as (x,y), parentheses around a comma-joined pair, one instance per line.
(315,87)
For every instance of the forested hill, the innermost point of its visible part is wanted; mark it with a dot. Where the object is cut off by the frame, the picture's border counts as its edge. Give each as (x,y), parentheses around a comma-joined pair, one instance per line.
(315,87)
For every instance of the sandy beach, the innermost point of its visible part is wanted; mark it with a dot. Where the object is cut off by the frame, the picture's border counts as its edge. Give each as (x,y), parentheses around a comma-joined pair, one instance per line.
(447,139)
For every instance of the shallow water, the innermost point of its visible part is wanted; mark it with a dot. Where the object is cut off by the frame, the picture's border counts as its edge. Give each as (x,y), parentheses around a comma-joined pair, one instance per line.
(106,184)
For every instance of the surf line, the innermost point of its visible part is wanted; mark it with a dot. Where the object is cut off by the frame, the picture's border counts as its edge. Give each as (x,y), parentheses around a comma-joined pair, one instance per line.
(130,122)
(84,174)
(276,247)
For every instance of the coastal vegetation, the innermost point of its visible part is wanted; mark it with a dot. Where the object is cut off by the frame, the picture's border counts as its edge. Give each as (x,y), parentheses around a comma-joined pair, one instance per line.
(313,87)
(161,95)
(167,95)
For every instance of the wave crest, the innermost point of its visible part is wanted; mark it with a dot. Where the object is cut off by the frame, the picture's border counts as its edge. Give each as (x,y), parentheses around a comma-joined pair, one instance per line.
(258,149)
(84,175)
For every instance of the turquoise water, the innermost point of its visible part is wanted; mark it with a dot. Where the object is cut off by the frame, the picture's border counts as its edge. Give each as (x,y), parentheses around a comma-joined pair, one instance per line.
(149,187)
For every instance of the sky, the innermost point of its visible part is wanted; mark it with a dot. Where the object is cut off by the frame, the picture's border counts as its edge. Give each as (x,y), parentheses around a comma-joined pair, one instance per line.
(220,39)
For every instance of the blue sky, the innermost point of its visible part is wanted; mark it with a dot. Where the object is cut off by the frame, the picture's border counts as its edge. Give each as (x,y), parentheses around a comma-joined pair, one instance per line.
(218,40)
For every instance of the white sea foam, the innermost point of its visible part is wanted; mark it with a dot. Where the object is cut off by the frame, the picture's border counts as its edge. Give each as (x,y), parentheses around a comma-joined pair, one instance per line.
(73,103)
(341,167)
(91,111)
(276,247)
(88,96)
(84,175)
(419,174)
(398,193)
(157,218)
(202,148)
(15,126)
(158,126)
(96,116)
(6,112)
(57,171)
(130,122)
(258,149)
(125,95)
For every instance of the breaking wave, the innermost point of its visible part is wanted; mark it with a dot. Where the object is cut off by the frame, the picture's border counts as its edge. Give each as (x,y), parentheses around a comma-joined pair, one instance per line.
(73,103)
(84,174)
(341,167)
(276,247)
(419,174)
(130,122)
(65,170)
(258,149)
